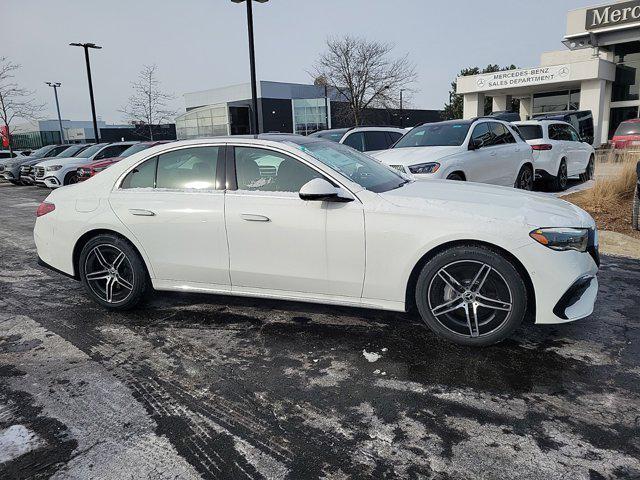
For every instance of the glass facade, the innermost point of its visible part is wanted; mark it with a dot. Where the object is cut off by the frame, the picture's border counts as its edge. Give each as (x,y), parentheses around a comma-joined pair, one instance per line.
(309,115)
(209,121)
(556,101)
(627,83)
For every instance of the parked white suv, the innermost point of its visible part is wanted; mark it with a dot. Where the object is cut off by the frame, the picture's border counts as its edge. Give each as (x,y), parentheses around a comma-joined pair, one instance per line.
(363,139)
(60,171)
(558,151)
(478,150)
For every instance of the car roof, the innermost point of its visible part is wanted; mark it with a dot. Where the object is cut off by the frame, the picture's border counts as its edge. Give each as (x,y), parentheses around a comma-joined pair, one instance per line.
(541,122)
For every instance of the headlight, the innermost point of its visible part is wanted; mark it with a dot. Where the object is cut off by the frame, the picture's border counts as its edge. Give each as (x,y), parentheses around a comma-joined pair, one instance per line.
(54,168)
(431,167)
(562,238)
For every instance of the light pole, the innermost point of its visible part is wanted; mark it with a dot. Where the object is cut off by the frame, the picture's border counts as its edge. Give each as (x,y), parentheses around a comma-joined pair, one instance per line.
(86,47)
(252,60)
(401,119)
(55,86)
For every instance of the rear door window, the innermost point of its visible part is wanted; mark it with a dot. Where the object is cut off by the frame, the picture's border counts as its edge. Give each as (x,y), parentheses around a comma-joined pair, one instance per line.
(188,168)
(355,140)
(143,176)
(375,141)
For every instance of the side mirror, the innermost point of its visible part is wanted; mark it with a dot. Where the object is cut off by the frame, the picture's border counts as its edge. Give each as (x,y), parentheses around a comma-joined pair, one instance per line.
(319,189)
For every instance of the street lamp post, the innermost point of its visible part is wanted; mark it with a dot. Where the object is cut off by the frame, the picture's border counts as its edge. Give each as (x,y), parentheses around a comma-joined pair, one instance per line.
(55,86)
(86,47)
(252,60)
(401,119)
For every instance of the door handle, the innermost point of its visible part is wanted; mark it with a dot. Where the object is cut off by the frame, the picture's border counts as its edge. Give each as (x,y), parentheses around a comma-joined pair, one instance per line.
(141,212)
(250,217)
(492,154)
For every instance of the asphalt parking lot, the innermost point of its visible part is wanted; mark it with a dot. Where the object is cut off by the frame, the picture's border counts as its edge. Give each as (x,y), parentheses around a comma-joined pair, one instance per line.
(197,386)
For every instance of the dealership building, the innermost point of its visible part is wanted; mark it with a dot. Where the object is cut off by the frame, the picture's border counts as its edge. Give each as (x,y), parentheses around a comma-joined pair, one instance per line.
(282,107)
(598,71)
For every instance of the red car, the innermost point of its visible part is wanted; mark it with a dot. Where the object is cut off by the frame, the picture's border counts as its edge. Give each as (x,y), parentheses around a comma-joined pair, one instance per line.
(627,135)
(89,170)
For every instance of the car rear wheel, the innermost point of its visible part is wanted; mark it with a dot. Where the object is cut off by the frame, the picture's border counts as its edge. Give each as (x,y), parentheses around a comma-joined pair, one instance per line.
(635,215)
(588,173)
(559,182)
(471,295)
(525,178)
(112,272)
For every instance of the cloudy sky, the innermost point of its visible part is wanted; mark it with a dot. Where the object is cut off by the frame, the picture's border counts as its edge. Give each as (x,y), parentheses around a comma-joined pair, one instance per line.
(200,44)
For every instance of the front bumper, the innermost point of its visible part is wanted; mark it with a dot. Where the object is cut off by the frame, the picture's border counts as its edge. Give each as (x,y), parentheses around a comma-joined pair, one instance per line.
(554,276)
(52,182)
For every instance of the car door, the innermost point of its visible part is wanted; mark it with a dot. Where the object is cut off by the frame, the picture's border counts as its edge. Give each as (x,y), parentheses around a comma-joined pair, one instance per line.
(480,165)
(174,208)
(515,153)
(279,242)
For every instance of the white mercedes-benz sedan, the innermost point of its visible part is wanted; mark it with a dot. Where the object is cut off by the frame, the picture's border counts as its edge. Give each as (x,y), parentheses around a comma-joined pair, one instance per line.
(298,218)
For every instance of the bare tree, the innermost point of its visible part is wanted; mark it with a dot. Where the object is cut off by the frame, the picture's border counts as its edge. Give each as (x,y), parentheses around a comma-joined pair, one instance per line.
(364,74)
(149,104)
(15,102)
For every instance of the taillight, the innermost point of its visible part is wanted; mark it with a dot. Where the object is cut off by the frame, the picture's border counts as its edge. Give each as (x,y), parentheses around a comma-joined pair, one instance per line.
(45,208)
(544,146)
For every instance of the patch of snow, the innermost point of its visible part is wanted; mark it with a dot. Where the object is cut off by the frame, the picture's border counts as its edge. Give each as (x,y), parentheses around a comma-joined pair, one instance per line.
(371,356)
(16,441)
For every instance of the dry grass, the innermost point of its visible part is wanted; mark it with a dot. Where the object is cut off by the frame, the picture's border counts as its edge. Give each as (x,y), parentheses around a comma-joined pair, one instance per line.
(610,200)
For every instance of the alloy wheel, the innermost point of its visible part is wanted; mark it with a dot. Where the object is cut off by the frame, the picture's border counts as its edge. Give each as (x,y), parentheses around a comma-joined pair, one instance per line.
(109,273)
(526,180)
(470,298)
(562,175)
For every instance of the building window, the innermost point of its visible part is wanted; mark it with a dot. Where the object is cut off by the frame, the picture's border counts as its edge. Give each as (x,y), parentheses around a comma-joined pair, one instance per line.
(556,101)
(309,115)
(627,84)
(211,121)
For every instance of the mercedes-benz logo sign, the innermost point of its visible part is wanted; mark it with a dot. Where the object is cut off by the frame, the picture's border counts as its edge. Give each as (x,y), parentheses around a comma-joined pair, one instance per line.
(563,72)
(480,82)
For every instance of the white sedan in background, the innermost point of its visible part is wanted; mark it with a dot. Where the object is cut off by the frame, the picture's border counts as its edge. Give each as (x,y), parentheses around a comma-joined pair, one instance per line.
(298,218)
(60,171)
(481,150)
(558,152)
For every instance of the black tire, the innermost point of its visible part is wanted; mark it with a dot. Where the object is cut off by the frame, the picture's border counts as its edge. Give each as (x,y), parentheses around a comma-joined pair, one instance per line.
(455,176)
(635,210)
(524,181)
(588,173)
(131,271)
(70,178)
(559,182)
(502,278)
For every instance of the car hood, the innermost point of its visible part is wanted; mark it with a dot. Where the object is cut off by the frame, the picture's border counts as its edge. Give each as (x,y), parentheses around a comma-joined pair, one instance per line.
(488,203)
(413,155)
(64,161)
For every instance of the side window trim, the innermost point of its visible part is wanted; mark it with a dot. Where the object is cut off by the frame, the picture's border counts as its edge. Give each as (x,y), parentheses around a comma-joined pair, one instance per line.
(220,169)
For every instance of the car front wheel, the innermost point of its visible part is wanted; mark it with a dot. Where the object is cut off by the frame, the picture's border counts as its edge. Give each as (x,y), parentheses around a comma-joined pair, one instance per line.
(471,295)
(112,272)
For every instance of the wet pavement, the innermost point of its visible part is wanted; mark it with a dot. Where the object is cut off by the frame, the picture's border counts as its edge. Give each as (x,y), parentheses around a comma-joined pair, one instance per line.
(194,386)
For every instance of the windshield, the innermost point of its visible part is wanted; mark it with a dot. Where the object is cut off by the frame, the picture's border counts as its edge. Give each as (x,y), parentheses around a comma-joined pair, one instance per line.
(628,128)
(358,167)
(91,150)
(39,153)
(333,135)
(435,135)
(138,147)
(70,151)
(530,132)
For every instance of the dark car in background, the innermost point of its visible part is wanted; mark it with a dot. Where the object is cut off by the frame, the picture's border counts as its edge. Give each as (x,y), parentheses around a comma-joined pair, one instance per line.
(89,170)
(10,168)
(581,120)
(27,168)
(505,116)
